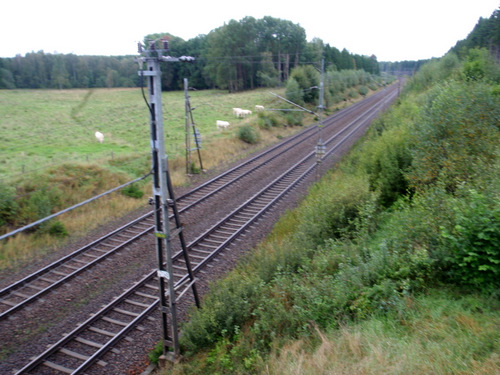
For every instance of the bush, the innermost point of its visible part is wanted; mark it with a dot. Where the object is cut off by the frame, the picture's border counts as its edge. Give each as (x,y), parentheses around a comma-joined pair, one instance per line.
(363,90)
(474,242)
(57,229)
(8,206)
(456,137)
(39,204)
(267,120)
(132,191)
(248,134)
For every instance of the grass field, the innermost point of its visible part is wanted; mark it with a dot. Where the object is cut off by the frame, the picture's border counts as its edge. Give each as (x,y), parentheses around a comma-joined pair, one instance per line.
(41,128)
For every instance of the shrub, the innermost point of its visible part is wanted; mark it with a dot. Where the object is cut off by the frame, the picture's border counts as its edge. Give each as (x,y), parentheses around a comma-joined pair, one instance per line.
(294,92)
(39,204)
(8,206)
(353,94)
(267,120)
(57,229)
(363,90)
(248,134)
(474,242)
(294,118)
(456,137)
(132,191)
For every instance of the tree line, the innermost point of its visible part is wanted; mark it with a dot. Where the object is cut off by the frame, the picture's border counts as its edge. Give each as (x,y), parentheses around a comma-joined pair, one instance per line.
(237,56)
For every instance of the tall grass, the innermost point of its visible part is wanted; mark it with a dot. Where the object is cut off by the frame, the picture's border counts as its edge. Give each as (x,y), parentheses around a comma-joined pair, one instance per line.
(433,335)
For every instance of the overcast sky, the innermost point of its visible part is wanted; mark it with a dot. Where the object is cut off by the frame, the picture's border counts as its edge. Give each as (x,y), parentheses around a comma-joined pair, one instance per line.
(393,30)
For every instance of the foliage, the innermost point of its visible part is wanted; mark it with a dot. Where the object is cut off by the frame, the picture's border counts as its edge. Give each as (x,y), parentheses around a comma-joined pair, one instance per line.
(456,137)
(248,134)
(474,242)
(293,91)
(307,78)
(268,120)
(8,205)
(57,229)
(132,191)
(484,35)
(480,65)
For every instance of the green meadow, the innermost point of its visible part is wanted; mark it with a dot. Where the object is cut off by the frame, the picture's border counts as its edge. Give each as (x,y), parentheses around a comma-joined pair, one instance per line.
(42,128)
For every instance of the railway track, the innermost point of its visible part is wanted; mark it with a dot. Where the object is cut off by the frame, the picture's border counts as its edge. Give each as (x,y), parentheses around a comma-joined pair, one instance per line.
(86,345)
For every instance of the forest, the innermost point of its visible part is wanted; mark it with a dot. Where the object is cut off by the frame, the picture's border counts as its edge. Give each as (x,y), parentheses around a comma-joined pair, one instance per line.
(237,56)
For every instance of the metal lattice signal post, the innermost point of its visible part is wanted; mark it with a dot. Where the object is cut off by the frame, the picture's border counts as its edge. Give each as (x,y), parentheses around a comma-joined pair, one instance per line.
(163,199)
(190,126)
(320,147)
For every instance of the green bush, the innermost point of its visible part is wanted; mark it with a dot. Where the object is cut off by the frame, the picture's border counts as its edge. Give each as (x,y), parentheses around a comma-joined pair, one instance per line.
(267,120)
(457,136)
(132,191)
(57,229)
(248,134)
(8,205)
(37,205)
(363,90)
(294,118)
(293,92)
(474,241)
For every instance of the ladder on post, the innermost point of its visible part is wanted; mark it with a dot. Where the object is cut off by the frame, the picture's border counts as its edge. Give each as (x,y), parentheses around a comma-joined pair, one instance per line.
(163,200)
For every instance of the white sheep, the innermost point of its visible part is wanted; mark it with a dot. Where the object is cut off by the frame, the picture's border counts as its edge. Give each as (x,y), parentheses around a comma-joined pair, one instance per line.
(99,136)
(222,124)
(237,112)
(245,112)
(259,107)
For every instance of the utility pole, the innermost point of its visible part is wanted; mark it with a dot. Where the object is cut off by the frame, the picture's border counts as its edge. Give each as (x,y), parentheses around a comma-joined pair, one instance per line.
(163,199)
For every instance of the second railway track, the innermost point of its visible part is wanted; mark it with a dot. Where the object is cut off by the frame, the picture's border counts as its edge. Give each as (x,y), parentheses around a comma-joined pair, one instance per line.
(212,241)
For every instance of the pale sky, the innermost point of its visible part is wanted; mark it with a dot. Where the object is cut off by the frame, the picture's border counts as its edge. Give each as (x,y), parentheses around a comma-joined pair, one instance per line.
(393,30)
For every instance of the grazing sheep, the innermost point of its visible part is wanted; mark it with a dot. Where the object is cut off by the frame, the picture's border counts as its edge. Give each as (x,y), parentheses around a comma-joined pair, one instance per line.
(245,112)
(99,136)
(236,112)
(222,124)
(259,107)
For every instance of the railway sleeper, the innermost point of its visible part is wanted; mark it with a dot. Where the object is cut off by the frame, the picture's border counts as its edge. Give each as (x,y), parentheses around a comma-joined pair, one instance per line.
(125,312)
(90,255)
(135,303)
(101,331)
(19,294)
(114,321)
(145,295)
(94,344)
(80,356)
(57,367)
(7,302)
(205,251)
(197,256)
(227,232)
(212,241)
(46,279)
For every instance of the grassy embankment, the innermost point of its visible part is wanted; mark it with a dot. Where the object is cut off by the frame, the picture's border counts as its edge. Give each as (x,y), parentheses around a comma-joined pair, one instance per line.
(390,265)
